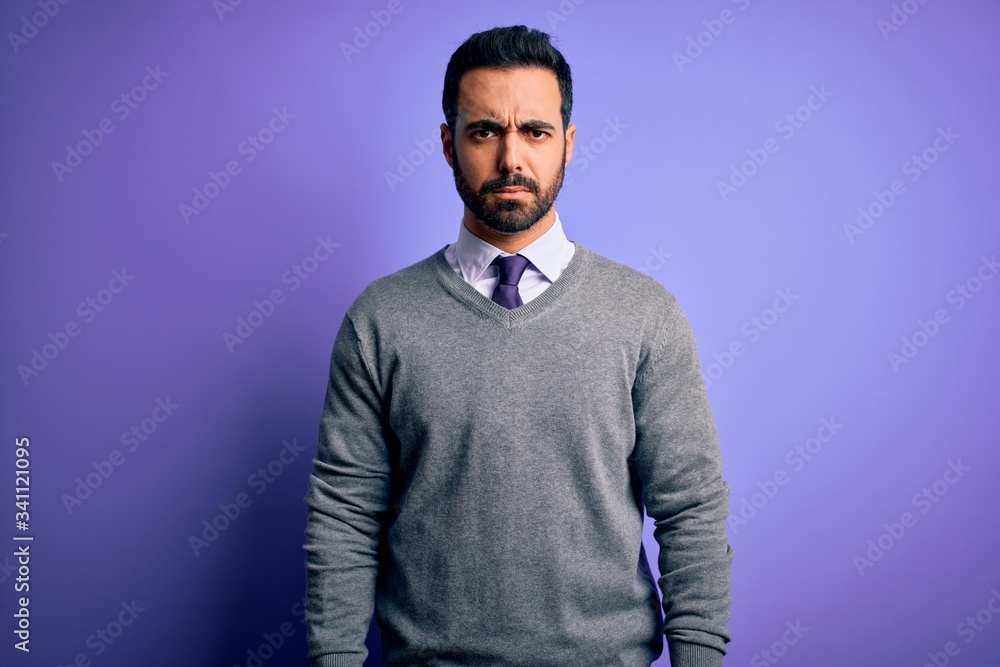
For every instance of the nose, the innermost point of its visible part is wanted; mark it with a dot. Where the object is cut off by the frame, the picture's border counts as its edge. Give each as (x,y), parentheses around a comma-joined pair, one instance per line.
(510,153)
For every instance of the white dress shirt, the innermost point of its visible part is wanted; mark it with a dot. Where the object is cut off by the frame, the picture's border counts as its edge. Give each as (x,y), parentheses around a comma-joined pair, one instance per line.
(549,254)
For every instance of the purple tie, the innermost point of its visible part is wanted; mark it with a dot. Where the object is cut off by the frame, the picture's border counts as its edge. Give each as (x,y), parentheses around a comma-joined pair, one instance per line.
(511,269)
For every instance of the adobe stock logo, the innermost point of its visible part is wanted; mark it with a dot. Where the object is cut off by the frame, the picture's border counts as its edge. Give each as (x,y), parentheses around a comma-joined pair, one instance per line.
(263,309)
(753,329)
(229,512)
(131,440)
(968,629)
(914,168)
(37,21)
(122,107)
(779,648)
(655,259)
(924,500)
(927,330)
(587,153)
(104,637)
(250,149)
(88,310)
(565,9)
(796,459)
(408,165)
(223,7)
(786,126)
(899,17)
(363,37)
(713,29)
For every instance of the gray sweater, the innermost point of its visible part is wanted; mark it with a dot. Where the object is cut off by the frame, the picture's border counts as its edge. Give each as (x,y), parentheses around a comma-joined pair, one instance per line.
(481,474)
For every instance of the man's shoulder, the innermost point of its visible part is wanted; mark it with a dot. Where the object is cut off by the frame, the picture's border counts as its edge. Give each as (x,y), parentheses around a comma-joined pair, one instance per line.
(400,288)
(621,283)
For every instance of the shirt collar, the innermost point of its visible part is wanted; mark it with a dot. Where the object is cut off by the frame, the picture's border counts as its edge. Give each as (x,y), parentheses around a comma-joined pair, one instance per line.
(474,254)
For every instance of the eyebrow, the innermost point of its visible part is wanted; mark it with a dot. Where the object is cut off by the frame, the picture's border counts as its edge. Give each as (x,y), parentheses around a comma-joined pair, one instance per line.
(486,124)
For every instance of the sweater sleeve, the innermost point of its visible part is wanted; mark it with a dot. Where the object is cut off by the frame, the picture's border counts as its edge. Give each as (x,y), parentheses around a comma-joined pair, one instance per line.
(347,501)
(679,463)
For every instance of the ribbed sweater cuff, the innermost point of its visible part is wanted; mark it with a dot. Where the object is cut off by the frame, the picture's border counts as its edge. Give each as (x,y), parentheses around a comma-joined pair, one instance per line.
(338,660)
(686,654)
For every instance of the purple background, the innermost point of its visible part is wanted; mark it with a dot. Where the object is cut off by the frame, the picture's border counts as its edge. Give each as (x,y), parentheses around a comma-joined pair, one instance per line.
(660,134)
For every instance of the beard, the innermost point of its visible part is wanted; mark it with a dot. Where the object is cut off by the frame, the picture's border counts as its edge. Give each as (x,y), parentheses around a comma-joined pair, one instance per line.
(508,216)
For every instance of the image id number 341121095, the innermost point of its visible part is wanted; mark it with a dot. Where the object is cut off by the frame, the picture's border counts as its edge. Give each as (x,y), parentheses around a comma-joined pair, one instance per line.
(22,550)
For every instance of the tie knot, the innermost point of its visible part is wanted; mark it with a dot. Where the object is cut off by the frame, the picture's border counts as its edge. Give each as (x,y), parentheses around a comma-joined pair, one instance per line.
(511,268)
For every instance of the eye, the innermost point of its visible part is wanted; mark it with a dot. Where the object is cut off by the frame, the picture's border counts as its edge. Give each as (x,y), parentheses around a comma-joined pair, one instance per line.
(538,134)
(479,133)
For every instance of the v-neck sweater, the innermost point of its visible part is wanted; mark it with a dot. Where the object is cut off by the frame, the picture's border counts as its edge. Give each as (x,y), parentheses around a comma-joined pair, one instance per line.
(481,475)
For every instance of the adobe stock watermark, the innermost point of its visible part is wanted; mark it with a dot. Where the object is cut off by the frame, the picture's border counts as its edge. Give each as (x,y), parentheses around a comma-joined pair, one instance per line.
(121,108)
(249,149)
(927,330)
(786,127)
(795,460)
(272,642)
(365,34)
(967,629)
(7,570)
(223,7)
(752,331)
(87,310)
(131,440)
(899,16)
(409,163)
(704,39)
(779,648)
(30,25)
(565,9)
(655,259)
(263,309)
(924,500)
(258,482)
(104,637)
(913,168)
(585,154)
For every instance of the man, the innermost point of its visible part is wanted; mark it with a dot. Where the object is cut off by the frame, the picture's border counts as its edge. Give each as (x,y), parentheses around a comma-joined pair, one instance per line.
(492,429)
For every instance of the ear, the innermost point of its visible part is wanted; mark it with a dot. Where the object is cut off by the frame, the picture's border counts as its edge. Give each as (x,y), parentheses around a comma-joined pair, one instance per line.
(570,142)
(446,143)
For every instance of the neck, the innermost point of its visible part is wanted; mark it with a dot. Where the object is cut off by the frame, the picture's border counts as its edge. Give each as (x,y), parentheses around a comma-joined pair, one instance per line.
(509,243)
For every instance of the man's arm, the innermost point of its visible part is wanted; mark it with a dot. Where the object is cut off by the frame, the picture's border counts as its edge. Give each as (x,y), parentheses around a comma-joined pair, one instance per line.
(679,463)
(347,502)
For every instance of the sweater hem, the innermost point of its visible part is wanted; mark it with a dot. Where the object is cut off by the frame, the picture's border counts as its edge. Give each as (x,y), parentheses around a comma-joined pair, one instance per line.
(338,660)
(687,654)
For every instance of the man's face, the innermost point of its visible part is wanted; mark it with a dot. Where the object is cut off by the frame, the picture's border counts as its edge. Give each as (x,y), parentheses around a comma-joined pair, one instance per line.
(509,153)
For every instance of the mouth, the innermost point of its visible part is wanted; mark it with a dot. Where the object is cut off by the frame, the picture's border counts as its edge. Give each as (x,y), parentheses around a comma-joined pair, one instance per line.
(510,192)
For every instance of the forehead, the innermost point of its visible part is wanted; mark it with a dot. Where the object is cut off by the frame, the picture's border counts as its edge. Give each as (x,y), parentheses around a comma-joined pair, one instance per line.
(495,93)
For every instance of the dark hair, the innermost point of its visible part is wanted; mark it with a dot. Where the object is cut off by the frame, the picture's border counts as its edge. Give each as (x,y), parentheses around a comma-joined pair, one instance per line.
(506,48)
